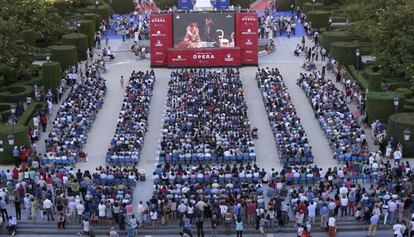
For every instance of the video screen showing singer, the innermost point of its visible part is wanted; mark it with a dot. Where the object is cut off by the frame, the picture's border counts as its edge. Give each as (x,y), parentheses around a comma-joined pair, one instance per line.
(203,30)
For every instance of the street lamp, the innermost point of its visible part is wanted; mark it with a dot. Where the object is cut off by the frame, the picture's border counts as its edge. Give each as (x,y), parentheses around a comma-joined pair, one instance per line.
(10,139)
(78,27)
(13,109)
(1,145)
(358,53)
(96,6)
(407,134)
(48,72)
(314,2)
(396,103)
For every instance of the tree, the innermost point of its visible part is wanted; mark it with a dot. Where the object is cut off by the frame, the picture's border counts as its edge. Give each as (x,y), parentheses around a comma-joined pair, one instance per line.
(39,15)
(389,26)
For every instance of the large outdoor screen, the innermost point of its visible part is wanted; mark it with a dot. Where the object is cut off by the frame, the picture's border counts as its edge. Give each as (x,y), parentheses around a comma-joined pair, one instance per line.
(203,30)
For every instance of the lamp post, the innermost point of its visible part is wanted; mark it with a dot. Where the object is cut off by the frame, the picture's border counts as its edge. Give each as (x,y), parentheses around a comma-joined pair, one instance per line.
(366,99)
(313,6)
(396,103)
(78,28)
(1,145)
(12,118)
(96,6)
(357,53)
(48,72)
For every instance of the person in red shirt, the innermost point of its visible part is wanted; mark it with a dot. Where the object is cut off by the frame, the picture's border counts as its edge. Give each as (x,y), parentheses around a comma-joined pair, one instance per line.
(43,121)
(251,207)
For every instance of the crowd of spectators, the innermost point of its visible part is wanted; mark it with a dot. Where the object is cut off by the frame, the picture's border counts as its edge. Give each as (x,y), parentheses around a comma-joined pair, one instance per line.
(132,124)
(346,137)
(69,131)
(291,140)
(206,118)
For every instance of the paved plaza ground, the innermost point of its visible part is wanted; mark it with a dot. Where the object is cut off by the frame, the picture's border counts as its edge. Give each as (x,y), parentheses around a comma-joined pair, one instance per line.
(284,59)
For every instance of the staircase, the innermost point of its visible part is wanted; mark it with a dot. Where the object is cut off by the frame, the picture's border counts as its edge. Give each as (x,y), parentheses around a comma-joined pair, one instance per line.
(44,228)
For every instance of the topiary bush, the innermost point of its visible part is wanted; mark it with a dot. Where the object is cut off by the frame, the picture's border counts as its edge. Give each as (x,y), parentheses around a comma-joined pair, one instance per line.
(16,93)
(307,7)
(92,17)
(396,126)
(52,75)
(66,55)
(87,27)
(344,52)
(362,82)
(318,18)
(328,37)
(380,105)
(123,6)
(407,92)
(26,118)
(80,41)
(20,138)
(104,11)
(61,6)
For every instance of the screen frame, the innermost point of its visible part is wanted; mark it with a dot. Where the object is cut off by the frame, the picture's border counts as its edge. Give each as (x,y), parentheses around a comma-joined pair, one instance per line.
(204,12)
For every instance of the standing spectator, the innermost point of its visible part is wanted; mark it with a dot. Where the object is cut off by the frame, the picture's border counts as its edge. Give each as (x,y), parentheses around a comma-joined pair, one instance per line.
(154,217)
(239,227)
(397,230)
(397,156)
(61,220)
(187,226)
(3,209)
(199,224)
(47,207)
(18,207)
(214,226)
(43,121)
(373,226)
(332,226)
(80,208)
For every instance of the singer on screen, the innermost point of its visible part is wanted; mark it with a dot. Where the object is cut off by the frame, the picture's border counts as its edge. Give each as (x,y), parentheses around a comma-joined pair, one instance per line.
(191,38)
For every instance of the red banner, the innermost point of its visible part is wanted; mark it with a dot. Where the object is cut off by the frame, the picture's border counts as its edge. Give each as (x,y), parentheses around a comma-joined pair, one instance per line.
(161,38)
(207,57)
(247,37)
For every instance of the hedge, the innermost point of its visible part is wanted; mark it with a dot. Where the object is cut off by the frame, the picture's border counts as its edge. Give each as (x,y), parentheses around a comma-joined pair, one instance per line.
(80,41)
(344,52)
(104,12)
(123,6)
(20,138)
(16,93)
(409,102)
(5,111)
(26,118)
(92,17)
(30,36)
(66,55)
(407,92)
(398,84)
(52,76)
(396,126)
(328,37)
(362,82)
(380,105)
(307,7)
(318,18)
(284,5)
(87,27)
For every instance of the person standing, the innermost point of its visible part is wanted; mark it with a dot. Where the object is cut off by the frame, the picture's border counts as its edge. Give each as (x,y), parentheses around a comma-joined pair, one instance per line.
(47,206)
(122,81)
(3,209)
(214,226)
(332,227)
(372,229)
(187,226)
(199,224)
(61,220)
(239,227)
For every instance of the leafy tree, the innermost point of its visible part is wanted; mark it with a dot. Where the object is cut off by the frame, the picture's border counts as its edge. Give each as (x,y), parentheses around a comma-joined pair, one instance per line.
(39,15)
(389,25)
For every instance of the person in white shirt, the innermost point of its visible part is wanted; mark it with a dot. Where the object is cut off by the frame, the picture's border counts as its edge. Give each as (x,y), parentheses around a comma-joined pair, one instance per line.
(80,208)
(102,211)
(397,156)
(47,206)
(332,226)
(397,230)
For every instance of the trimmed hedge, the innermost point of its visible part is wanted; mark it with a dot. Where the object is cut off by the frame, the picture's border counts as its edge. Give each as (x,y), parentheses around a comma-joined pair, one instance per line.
(344,52)
(80,41)
(104,11)
(92,17)
(318,18)
(66,55)
(399,84)
(16,93)
(307,7)
(51,72)
(123,6)
(362,82)
(61,6)
(87,27)
(407,92)
(5,111)
(26,118)
(329,37)
(166,4)
(20,138)
(380,105)
(396,126)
